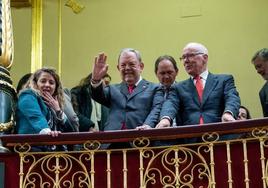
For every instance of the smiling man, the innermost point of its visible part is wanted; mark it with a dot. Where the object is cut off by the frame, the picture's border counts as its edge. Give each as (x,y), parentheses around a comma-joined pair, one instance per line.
(204,97)
(133,102)
(260,61)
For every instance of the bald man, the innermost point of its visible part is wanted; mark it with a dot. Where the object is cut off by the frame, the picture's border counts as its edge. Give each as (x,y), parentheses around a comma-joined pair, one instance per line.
(204,97)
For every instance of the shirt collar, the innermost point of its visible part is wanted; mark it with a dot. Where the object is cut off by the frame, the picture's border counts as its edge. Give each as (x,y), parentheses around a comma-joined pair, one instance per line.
(203,75)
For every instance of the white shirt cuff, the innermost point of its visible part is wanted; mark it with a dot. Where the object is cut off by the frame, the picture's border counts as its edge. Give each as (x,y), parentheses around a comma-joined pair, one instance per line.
(45,131)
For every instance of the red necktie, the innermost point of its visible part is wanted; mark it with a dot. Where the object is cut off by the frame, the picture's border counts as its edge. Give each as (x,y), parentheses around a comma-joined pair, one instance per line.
(199,89)
(131,89)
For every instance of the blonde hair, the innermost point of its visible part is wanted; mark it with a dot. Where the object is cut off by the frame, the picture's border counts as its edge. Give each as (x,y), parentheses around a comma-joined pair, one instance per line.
(32,83)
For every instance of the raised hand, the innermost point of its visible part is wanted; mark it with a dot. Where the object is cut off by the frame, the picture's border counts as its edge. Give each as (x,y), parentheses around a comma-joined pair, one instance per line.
(100,67)
(51,101)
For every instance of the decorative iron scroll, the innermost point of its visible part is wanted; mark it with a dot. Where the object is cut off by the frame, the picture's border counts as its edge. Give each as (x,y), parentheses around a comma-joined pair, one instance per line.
(178,167)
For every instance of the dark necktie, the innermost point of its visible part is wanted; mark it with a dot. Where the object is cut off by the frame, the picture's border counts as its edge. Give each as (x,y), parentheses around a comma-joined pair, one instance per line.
(199,89)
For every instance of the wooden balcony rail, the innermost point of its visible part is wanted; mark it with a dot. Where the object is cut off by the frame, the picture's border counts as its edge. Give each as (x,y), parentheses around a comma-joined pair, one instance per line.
(130,135)
(228,155)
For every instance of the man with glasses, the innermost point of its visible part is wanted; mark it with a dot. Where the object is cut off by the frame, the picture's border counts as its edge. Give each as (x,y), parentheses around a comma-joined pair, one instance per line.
(133,102)
(204,97)
(260,61)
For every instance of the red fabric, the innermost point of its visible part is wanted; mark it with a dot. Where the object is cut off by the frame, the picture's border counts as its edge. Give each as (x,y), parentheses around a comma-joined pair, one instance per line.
(131,89)
(123,126)
(199,89)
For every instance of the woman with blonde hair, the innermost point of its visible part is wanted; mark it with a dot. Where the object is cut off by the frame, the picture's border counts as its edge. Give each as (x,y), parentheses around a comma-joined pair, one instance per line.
(40,105)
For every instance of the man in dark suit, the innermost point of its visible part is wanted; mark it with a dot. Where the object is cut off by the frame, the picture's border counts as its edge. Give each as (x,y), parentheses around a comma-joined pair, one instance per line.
(166,70)
(260,61)
(134,101)
(204,97)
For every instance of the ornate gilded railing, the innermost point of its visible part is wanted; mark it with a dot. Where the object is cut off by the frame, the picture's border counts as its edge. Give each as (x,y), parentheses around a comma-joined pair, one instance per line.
(214,155)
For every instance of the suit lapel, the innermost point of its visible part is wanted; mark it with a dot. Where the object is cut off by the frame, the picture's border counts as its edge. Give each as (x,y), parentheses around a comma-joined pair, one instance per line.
(124,89)
(190,87)
(211,83)
(140,88)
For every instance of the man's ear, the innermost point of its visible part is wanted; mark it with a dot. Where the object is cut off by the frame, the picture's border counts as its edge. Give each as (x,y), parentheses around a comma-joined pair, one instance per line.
(118,67)
(141,65)
(205,56)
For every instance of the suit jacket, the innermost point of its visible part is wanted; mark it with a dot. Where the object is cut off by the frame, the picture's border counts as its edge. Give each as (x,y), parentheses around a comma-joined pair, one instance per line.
(72,123)
(264,99)
(219,96)
(81,100)
(32,114)
(135,109)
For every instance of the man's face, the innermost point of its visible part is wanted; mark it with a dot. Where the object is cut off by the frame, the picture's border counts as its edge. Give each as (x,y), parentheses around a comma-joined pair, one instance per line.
(261,67)
(166,73)
(130,67)
(194,61)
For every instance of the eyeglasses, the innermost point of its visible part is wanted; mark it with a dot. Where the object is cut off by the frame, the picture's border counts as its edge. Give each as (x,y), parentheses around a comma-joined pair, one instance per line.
(189,56)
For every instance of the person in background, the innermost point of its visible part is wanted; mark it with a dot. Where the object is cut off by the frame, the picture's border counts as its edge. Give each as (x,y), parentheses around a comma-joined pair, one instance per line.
(91,114)
(40,105)
(260,61)
(100,112)
(166,70)
(243,113)
(72,123)
(21,84)
(204,97)
(132,101)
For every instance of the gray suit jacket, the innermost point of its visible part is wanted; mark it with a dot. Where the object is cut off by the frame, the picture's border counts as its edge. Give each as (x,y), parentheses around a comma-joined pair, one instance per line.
(142,106)
(264,99)
(219,95)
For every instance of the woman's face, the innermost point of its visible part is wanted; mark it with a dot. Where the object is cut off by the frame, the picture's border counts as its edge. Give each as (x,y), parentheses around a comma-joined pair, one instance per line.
(46,83)
(242,114)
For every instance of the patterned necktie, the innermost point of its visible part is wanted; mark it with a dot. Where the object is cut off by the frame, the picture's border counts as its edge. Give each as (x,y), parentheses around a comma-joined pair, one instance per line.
(199,89)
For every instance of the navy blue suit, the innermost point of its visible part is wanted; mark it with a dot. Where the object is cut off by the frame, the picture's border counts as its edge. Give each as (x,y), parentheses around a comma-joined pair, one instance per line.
(141,107)
(219,96)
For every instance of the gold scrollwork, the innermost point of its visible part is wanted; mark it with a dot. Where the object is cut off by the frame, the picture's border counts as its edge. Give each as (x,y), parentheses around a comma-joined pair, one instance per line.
(141,142)
(22,148)
(210,137)
(260,132)
(266,173)
(183,167)
(92,145)
(59,169)
(6,126)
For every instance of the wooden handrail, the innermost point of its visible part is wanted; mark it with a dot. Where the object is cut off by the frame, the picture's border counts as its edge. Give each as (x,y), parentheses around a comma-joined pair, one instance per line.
(130,135)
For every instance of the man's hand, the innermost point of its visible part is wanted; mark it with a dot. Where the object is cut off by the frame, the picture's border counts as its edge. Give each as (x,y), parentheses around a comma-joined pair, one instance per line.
(163,123)
(227,117)
(143,127)
(54,133)
(100,68)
